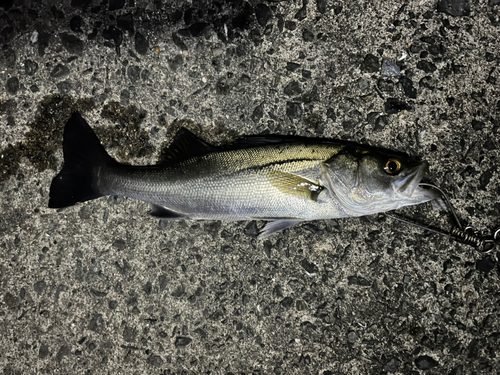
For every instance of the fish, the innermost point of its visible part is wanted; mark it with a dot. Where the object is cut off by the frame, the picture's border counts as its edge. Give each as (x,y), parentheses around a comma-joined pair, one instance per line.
(284,180)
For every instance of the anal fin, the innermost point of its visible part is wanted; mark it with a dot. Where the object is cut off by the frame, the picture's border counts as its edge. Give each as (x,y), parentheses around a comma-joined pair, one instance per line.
(276,226)
(164,213)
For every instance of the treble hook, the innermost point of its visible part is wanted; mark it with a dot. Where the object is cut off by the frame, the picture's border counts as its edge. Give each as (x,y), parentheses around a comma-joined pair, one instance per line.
(468,235)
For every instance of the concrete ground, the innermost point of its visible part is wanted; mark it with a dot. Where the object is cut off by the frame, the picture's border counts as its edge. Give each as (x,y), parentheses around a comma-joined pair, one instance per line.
(103,288)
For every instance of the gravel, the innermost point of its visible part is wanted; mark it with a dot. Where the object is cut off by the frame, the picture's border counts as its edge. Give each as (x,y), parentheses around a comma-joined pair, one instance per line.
(103,286)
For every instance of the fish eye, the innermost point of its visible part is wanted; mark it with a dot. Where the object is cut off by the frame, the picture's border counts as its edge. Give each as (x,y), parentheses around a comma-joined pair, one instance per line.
(392,166)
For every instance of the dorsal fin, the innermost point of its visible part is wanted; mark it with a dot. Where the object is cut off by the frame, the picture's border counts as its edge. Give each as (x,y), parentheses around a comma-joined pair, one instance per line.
(185,145)
(259,140)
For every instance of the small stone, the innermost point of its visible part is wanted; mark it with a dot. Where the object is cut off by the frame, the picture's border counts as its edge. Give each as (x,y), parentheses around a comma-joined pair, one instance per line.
(64,87)
(363,84)
(8,57)
(176,62)
(307,36)
(459,370)
(147,288)
(352,337)
(389,69)
(126,23)
(133,73)
(179,291)
(112,304)
(321,6)
(370,64)
(34,88)
(302,13)
(188,16)
(43,42)
(75,24)
(163,282)
(59,71)
(30,67)
(124,98)
(485,265)
(145,74)
(290,25)
(386,86)
(116,4)
(43,352)
(331,73)
(263,14)
(129,334)
(257,113)
(424,362)
(178,42)
(119,244)
(182,341)
(408,87)
(39,286)
(96,324)
(292,67)
(428,82)
(278,291)
(196,29)
(393,365)
(256,37)
(12,85)
(62,352)
(286,303)
(293,110)
(292,88)
(486,177)
(114,34)
(71,43)
(141,44)
(309,266)
(357,280)
(477,125)
(393,106)
(251,229)
(155,360)
(456,8)
(300,305)
(426,66)
(11,301)
(491,80)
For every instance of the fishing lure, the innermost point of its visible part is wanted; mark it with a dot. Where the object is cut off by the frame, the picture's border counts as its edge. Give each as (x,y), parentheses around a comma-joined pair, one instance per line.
(467,235)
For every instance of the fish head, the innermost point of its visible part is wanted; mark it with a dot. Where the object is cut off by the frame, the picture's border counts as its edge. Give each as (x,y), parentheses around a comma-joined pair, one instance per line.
(367,182)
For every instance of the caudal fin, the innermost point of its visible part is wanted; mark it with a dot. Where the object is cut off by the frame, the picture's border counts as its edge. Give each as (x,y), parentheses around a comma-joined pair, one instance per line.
(83,153)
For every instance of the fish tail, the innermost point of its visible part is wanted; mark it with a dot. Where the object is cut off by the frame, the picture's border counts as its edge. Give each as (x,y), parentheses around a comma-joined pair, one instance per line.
(83,153)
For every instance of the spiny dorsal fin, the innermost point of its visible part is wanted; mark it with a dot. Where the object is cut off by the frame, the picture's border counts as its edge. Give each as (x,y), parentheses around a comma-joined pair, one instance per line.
(185,145)
(294,185)
(260,140)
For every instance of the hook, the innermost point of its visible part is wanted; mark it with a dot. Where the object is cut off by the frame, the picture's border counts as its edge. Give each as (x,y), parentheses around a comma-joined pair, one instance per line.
(468,235)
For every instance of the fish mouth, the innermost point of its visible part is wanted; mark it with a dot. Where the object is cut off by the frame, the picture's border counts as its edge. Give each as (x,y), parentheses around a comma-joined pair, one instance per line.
(409,186)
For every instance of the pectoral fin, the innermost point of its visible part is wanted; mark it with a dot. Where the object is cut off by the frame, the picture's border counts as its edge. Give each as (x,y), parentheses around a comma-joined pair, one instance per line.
(294,185)
(276,226)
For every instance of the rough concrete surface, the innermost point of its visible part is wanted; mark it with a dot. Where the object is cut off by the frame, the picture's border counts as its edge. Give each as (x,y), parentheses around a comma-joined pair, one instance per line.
(103,288)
